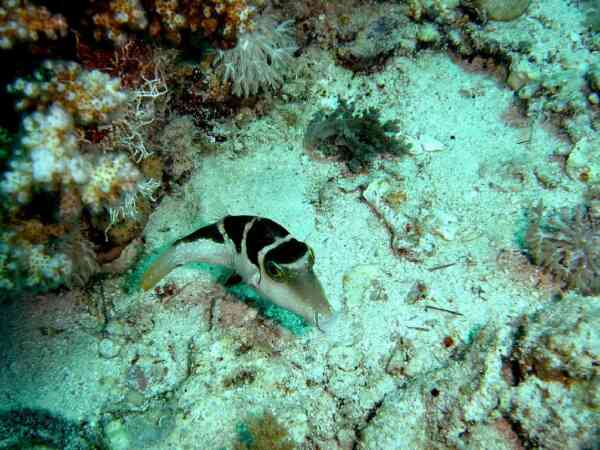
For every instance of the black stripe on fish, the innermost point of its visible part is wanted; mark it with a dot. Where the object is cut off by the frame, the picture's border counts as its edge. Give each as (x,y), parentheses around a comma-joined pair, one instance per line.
(234,227)
(287,252)
(210,232)
(262,233)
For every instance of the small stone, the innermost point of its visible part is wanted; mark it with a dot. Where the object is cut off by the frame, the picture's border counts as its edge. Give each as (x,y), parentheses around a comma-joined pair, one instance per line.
(144,324)
(115,328)
(446,225)
(582,162)
(108,348)
(358,282)
(429,144)
(521,73)
(378,40)
(116,435)
(346,358)
(594,77)
(503,10)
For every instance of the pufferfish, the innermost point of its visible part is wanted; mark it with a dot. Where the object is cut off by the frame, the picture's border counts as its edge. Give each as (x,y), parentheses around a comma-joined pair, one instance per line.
(262,253)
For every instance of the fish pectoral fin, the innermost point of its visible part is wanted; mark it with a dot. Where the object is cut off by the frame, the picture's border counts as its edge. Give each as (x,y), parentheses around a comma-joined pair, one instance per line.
(233,279)
(255,280)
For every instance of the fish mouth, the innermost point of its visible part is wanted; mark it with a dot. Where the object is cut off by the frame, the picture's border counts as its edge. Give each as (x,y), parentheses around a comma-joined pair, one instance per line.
(308,287)
(325,322)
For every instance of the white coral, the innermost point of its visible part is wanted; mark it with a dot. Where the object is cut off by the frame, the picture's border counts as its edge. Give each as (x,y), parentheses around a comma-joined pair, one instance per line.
(112,177)
(50,158)
(46,270)
(90,96)
(51,142)
(100,96)
(49,155)
(17,181)
(132,127)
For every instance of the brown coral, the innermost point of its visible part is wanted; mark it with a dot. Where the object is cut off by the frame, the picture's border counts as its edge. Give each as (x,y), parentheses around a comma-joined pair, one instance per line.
(264,433)
(88,96)
(21,21)
(35,232)
(121,14)
(567,245)
(207,16)
(171,19)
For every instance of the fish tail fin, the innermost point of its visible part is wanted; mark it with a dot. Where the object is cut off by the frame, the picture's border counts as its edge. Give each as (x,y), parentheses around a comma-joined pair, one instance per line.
(160,267)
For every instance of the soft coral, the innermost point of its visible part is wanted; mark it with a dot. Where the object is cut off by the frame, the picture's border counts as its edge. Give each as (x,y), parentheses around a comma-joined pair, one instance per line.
(567,244)
(259,59)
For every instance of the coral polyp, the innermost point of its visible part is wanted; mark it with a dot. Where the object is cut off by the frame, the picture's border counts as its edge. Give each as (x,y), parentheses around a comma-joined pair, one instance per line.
(171,19)
(91,96)
(21,21)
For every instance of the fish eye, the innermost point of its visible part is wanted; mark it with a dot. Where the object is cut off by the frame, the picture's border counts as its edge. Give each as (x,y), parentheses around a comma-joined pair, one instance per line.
(274,270)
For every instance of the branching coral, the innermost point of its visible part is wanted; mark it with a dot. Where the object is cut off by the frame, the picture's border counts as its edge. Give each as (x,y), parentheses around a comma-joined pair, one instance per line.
(33,267)
(172,18)
(39,263)
(50,159)
(120,14)
(130,129)
(21,21)
(225,17)
(50,152)
(567,245)
(90,96)
(48,156)
(54,163)
(353,137)
(113,184)
(55,130)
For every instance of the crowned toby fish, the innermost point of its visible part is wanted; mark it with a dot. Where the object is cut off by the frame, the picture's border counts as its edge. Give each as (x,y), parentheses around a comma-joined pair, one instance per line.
(262,253)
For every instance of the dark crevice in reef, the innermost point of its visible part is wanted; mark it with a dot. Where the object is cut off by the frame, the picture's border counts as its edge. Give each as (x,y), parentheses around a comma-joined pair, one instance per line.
(513,368)
(371,414)
(521,433)
(25,428)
